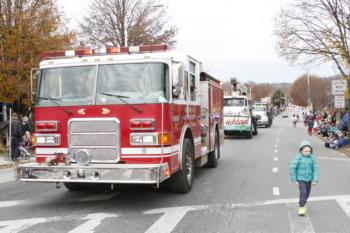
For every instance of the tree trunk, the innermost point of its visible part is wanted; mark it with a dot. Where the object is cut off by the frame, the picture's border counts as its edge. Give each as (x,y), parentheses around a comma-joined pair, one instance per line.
(348,104)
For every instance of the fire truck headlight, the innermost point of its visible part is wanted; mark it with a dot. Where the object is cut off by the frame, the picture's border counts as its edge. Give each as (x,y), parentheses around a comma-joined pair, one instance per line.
(82,157)
(48,140)
(143,139)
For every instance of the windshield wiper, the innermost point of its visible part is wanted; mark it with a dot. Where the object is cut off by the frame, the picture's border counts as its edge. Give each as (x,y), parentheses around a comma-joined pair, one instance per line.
(55,100)
(121,98)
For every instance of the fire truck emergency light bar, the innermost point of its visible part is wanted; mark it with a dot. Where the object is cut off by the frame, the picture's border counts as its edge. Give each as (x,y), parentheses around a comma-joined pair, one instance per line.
(110,50)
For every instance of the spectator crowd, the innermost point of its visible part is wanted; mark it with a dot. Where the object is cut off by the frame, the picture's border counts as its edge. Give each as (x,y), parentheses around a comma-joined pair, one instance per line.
(21,137)
(325,125)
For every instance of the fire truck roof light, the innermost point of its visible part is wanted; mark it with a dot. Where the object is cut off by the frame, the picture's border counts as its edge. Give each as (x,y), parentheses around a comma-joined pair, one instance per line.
(83,52)
(111,50)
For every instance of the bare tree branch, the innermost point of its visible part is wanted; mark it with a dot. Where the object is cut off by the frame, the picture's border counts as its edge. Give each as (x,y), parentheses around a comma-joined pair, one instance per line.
(145,21)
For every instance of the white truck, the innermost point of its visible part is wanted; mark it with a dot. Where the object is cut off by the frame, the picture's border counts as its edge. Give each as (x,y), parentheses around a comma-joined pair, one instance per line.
(238,117)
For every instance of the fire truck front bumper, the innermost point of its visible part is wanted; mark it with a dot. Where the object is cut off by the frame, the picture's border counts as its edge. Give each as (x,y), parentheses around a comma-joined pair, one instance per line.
(94,173)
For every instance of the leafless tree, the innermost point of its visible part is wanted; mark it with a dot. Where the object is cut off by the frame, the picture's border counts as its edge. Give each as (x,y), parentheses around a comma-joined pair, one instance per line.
(315,31)
(110,22)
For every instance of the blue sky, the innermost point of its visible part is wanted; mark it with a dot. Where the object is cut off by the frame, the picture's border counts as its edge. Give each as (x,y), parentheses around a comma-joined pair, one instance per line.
(232,38)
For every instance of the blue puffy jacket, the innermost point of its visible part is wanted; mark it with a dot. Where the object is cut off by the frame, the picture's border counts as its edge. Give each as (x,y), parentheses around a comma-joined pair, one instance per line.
(304,168)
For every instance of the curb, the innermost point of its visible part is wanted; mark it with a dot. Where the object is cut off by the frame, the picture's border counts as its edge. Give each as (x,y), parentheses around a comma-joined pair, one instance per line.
(10,164)
(345,151)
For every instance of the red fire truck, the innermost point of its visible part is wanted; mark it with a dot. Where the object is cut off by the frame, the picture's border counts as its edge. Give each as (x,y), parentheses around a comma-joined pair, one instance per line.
(135,115)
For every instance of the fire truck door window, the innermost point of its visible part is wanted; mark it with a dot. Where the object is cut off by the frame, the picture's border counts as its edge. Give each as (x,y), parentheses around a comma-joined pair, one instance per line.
(69,85)
(193,81)
(178,81)
(137,83)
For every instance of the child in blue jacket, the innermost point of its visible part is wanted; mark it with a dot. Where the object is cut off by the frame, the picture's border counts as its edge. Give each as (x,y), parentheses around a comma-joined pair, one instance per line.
(304,172)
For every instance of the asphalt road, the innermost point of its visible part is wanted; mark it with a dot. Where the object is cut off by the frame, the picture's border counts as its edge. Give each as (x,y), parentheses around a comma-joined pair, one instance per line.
(249,191)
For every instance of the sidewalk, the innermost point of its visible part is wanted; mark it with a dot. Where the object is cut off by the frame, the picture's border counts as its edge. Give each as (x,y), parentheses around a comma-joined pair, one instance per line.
(344,150)
(9,164)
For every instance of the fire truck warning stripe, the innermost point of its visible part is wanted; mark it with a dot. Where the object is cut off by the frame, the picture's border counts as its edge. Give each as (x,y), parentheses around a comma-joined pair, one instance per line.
(148,156)
(51,151)
(150,150)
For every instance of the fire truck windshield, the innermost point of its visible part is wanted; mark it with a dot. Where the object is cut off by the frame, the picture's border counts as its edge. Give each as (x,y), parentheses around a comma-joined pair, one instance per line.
(234,102)
(138,82)
(71,85)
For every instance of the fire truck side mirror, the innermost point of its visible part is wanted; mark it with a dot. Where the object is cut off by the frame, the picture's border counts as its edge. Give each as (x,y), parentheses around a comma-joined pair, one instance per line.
(34,74)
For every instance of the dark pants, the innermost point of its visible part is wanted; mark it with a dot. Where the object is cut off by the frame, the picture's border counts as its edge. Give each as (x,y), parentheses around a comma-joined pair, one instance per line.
(14,148)
(305,189)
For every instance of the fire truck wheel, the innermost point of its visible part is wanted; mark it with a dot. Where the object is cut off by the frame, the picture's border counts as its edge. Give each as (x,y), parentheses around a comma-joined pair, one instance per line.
(214,156)
(74,186)
(181,181)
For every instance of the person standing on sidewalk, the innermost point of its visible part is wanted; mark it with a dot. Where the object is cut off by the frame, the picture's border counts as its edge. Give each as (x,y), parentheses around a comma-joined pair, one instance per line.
(310,125)
(15,136)
(304,172)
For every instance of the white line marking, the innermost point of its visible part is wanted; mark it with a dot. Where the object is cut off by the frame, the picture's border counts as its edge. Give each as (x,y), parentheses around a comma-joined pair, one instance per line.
(334,159)
(276,191)
(296,200)
(298,224)
(345,205)
(276,151)
(21,224)
(275,170)
(276,145)
(94,220)
(171,217)
(275,159)
(4,204)
(97,197)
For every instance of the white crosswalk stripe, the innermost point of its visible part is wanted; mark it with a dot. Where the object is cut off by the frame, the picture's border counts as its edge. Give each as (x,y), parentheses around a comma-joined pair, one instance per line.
(345,205)
(169,219)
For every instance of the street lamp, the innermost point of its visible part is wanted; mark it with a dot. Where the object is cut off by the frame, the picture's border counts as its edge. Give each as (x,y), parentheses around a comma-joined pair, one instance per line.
(127,21)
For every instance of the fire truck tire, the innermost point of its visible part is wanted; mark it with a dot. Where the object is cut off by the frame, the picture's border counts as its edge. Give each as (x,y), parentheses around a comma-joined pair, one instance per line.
(181,181)
(74,186)
(214,156)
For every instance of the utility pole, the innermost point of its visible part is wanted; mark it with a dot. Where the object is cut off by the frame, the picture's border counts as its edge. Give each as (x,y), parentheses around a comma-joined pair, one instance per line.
(309,90)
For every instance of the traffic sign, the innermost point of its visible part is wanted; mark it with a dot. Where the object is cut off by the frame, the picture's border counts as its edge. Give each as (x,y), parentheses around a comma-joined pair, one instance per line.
(338,87)
(339,101)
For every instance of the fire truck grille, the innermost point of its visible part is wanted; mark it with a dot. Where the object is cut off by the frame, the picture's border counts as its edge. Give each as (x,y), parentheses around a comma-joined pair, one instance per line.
(99,136)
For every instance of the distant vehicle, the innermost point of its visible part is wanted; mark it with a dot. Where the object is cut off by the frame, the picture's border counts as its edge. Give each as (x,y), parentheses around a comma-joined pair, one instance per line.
(261,110)
(285,114)
(269,112)
(238,119)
